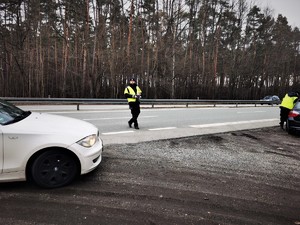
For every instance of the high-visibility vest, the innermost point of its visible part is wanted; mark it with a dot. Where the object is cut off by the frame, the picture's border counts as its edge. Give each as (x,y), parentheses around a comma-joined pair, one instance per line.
(129,90)
(288,102)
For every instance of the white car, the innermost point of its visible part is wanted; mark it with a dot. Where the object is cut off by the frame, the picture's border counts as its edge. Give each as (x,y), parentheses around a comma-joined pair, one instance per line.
(49,149)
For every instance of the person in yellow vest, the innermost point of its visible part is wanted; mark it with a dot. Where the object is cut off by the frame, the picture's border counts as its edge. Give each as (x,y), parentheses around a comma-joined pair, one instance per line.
(287,104)
(133,94)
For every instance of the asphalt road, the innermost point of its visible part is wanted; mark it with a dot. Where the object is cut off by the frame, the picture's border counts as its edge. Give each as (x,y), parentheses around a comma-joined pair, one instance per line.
(243,177)
(164,123)
(235,177)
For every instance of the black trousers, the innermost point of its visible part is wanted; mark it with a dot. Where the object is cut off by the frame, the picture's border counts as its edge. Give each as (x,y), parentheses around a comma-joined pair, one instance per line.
(135,112)
(284,112)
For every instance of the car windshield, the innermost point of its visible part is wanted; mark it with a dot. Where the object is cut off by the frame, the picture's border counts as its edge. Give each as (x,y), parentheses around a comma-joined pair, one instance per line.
(10,114)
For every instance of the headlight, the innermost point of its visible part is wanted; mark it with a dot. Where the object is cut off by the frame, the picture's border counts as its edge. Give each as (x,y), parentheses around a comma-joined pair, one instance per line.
(88,141)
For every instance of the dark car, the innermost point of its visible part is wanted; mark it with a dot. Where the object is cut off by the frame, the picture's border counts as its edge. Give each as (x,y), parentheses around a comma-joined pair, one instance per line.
(293,121)
(270,100)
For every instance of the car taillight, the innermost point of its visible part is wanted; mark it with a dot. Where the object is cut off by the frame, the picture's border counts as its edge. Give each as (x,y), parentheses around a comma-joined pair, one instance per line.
(293,114)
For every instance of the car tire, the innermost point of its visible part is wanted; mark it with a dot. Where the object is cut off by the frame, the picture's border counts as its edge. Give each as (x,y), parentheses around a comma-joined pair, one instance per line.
(54,168)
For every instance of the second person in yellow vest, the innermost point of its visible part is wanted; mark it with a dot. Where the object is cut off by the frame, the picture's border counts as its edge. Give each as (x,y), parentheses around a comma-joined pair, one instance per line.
(287,104)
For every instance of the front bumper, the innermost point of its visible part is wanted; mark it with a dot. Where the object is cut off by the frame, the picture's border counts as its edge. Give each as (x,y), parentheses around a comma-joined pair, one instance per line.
(89,158)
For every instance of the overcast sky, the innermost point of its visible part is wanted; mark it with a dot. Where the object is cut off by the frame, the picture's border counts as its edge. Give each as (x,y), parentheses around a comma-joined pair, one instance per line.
(288,8)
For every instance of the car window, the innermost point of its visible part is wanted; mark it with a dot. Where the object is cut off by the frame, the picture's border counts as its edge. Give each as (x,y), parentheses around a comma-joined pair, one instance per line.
(10,113)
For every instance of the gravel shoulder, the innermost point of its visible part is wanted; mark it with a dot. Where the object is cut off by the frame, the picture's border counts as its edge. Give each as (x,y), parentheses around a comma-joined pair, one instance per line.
(243,177)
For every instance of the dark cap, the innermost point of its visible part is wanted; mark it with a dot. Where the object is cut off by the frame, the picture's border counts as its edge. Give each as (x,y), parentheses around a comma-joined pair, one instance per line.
(132,79)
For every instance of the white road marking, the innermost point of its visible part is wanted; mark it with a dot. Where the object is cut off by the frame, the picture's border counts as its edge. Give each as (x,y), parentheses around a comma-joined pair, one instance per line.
(117,118)
(163,128)
(84,111)
(119,132)
(232,123)
(107,118)
(196,126)
(251,112)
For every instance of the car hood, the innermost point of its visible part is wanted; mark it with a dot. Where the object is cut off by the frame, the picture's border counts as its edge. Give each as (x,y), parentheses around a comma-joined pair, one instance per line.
(43,123)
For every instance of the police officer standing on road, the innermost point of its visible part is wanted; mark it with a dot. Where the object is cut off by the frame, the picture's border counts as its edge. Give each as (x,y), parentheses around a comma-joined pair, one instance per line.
(133,94)
(287,104)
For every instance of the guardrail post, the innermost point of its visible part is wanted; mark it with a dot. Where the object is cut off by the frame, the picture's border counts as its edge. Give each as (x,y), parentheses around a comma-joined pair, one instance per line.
(187,105)
(77,107)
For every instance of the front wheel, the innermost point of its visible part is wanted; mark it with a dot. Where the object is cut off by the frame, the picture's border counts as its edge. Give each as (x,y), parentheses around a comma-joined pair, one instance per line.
(54,168)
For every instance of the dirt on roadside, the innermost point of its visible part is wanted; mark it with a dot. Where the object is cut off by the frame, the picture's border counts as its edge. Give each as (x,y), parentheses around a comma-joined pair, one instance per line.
(243,177)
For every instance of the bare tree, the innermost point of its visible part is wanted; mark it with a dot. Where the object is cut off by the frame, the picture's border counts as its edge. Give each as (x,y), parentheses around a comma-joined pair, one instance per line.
(176,49)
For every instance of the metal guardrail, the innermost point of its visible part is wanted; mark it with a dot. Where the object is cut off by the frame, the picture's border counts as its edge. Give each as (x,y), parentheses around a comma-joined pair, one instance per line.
(109,101)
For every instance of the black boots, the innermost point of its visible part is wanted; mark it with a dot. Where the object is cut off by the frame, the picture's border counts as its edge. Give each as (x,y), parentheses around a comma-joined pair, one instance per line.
(136,126)
(281,125)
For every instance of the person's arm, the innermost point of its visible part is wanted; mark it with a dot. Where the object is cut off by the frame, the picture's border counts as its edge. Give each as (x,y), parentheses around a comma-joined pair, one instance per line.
(296,100)
(139,91)
(127,95)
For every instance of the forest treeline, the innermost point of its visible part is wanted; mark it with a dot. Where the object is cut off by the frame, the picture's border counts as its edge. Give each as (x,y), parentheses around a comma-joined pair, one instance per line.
(207,49)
